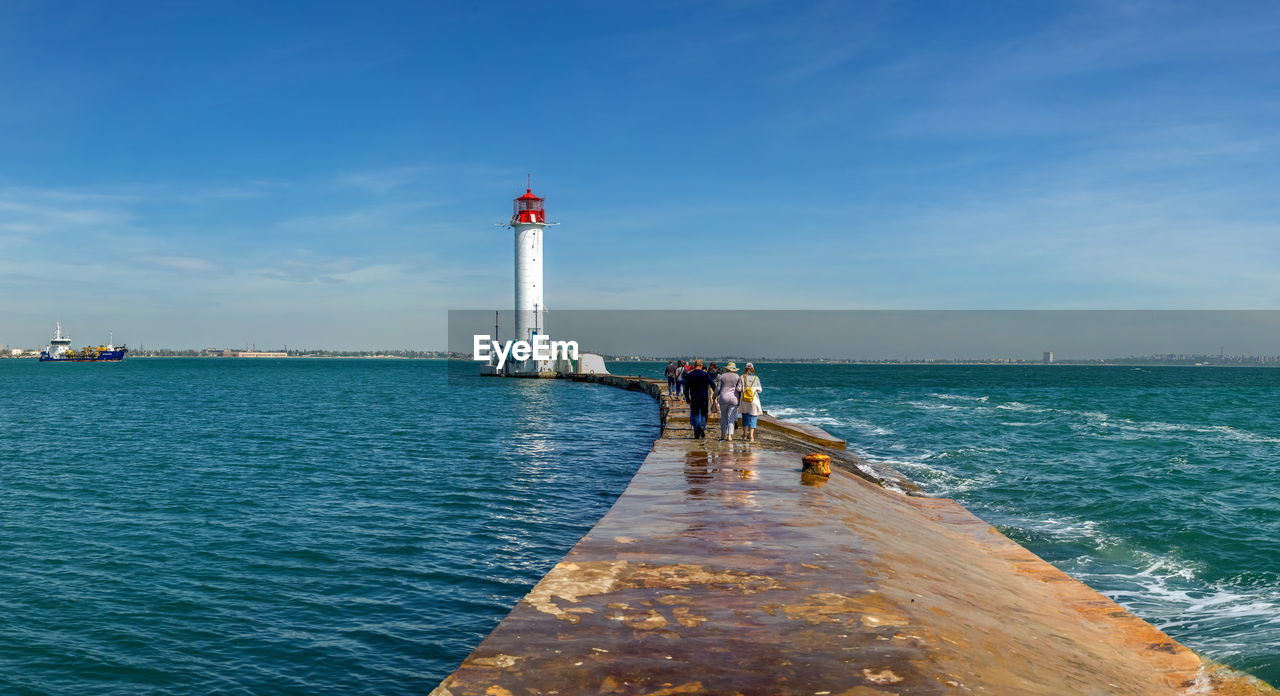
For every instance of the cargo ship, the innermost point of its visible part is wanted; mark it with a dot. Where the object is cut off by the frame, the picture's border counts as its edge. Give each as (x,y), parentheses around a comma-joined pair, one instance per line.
(60,350)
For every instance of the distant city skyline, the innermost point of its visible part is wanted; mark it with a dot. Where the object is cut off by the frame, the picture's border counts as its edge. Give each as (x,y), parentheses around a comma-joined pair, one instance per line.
(897,334)
(201,175)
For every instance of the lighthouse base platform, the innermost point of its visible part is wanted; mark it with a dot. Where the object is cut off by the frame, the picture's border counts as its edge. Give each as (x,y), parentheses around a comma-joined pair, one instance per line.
(587,364)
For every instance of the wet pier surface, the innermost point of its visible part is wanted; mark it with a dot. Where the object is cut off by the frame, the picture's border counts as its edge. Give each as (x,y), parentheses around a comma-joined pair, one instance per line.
(722,570)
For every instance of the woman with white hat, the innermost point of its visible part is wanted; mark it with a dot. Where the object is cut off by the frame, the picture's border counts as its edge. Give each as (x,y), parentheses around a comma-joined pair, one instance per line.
(728,389)
(749,401)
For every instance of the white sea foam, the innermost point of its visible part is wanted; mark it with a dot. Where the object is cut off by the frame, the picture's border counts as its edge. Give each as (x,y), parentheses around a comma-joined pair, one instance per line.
(1224,431)
(1107,421)
(969,453)
(818,420)
(887,483)
(1218,618)
(789,412)
(814,416)
(1225,617)
(934,480)
(1019,406)
(1127,426)
(962,397)
(931,406)
(864,426)
(1070,530)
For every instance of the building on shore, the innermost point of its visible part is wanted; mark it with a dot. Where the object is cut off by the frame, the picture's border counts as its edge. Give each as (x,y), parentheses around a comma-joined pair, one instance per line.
(232,353)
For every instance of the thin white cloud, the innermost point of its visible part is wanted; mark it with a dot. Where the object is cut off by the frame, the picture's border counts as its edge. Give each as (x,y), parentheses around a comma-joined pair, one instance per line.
(363,220)
(50,215)
(430,176)
(183,264)
(384,180)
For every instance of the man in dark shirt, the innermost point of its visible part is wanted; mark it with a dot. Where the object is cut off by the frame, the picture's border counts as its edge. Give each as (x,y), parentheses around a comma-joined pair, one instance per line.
(697,388)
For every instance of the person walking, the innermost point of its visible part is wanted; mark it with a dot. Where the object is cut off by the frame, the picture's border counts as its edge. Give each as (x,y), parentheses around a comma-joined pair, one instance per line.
(749,402)
(681,369)
(671,378)
(698,387)
(728,391)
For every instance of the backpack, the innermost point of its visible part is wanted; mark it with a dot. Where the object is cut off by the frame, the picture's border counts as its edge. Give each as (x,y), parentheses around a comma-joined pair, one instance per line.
(748,394)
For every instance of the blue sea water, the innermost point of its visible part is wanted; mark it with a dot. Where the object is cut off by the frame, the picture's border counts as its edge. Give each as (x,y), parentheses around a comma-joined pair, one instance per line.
(242,526)
(1158,486)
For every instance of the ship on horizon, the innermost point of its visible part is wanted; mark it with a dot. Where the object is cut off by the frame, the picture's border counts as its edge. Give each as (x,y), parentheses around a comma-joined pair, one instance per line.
(60,350)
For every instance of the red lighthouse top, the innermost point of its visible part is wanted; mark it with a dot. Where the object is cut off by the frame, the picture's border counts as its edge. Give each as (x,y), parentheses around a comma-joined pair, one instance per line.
(528,208)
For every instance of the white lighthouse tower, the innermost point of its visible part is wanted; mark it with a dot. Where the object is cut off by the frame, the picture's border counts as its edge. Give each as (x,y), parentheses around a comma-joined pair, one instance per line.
(529,220)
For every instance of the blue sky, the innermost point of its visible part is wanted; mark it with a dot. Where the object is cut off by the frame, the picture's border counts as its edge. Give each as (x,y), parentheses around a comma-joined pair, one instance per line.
(195,174)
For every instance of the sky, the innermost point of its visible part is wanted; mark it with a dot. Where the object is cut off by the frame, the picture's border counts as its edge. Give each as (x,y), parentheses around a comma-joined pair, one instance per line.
(330,174)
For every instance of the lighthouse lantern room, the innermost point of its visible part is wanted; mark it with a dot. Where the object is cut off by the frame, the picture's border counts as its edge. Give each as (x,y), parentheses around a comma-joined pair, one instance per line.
(528,208)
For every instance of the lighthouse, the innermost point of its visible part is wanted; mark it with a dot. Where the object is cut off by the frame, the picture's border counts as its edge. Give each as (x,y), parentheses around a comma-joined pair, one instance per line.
(531,352)
(529,220)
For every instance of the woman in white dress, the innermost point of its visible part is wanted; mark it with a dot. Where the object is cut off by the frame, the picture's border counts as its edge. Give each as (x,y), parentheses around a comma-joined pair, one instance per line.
(749,402)
(728,388)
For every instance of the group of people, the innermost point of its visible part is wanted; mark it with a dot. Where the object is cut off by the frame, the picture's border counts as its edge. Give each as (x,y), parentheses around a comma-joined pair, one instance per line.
(718,388)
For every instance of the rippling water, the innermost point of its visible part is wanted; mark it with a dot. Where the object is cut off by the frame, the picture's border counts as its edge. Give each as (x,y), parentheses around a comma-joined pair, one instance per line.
(1159,487)
(240,526)
(356,527)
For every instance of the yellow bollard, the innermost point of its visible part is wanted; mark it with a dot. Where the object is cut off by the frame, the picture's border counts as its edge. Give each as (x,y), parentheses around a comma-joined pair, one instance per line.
(817,463)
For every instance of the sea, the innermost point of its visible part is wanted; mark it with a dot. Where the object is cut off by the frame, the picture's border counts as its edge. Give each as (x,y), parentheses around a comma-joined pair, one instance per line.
(285,526)
(316,526)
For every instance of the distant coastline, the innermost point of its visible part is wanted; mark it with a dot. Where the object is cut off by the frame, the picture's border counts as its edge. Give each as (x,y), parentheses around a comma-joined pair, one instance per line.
(1170,360)
(293,357)
(266,355)
(1139,361)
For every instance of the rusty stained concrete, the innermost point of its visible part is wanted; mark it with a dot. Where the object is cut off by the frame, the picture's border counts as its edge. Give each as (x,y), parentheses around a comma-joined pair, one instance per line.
(720,571)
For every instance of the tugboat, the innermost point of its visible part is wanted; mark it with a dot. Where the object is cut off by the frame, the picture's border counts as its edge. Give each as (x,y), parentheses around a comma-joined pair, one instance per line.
(60,350)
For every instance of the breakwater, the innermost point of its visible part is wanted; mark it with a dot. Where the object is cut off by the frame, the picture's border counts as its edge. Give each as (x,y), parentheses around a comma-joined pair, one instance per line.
(721,570)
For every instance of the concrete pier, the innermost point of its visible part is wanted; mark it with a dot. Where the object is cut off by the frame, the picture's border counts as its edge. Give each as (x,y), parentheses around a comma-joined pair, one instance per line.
(721,570)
